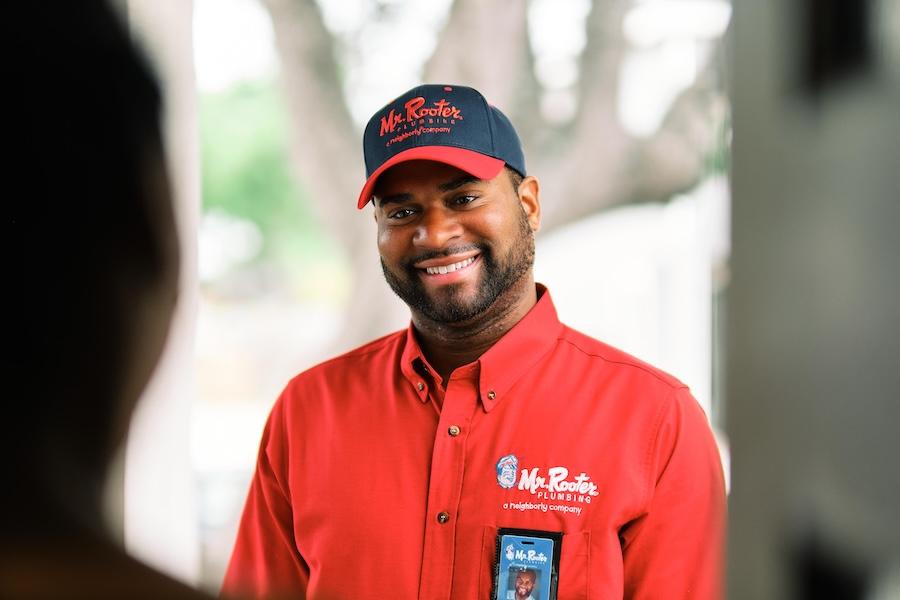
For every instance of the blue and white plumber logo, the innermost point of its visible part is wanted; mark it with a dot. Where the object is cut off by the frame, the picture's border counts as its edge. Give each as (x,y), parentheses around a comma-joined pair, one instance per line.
(507,468)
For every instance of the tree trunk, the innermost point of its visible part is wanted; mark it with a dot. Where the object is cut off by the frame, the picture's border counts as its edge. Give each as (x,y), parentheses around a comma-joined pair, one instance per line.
(585,166)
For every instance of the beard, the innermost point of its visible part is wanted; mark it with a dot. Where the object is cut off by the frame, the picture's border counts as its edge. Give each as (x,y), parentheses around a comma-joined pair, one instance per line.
(499,274)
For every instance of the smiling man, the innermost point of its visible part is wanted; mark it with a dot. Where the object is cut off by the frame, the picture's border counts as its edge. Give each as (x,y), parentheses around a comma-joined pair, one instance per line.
(525,584)
(410,458)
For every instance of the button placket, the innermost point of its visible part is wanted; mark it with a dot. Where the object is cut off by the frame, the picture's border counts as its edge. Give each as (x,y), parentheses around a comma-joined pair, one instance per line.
(445,485)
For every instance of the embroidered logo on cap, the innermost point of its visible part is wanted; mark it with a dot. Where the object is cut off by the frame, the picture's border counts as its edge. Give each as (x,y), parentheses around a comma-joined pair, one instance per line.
(507,467)
(419,119)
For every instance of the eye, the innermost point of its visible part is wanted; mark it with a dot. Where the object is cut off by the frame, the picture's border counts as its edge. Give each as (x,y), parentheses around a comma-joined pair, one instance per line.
(464,199)
(401,213)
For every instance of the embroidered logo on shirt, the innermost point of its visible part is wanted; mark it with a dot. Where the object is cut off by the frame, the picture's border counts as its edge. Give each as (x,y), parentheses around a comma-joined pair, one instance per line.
(566,494)
(557,484)
(506,471)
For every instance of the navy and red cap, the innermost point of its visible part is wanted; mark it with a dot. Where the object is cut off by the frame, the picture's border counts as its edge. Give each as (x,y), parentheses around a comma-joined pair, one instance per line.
(452,124)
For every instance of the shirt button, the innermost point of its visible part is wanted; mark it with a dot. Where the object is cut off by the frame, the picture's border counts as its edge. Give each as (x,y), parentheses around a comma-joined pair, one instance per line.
(453,431)
(443,517)
(491,395)
(420,386)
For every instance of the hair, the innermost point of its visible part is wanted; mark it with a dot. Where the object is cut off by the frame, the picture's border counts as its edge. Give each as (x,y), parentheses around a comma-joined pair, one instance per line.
(515,178)
(87,220)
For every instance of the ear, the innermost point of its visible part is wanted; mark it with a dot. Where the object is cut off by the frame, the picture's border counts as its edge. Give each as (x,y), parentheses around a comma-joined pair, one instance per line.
(530,199)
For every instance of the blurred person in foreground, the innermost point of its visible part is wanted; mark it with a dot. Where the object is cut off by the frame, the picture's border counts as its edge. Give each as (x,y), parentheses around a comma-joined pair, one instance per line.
(91,268)
(411,457)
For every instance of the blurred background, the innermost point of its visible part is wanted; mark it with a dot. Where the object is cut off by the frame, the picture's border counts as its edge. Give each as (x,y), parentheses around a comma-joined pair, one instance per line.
(623,112)
(626,116)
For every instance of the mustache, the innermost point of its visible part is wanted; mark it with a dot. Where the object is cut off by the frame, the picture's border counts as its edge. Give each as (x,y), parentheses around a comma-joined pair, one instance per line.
(481,247)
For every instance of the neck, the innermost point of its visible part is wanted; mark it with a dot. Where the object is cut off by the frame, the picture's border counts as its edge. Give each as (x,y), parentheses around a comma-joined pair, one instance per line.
(448,346)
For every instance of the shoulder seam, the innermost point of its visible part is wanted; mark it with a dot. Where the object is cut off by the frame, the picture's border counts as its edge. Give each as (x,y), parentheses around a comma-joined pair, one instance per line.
(677,384)
(365,350)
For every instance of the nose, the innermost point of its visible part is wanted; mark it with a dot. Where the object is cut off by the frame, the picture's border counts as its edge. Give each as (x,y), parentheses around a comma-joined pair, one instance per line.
(436,228)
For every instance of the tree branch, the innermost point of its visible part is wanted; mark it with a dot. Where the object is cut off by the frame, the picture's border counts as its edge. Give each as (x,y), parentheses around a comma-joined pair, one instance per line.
(674,160)
(325,145)
(604,166)
(484,44)
(585,176)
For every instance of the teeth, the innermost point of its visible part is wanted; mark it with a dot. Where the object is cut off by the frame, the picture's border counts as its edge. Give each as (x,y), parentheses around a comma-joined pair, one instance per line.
(450,268)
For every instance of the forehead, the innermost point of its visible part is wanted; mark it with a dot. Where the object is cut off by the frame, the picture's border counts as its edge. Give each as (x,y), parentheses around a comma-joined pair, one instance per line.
(416,173)
(526,575)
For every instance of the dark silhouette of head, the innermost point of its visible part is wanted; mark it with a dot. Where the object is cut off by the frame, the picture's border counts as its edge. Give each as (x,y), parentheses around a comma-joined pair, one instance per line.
(90,262)
(91,253)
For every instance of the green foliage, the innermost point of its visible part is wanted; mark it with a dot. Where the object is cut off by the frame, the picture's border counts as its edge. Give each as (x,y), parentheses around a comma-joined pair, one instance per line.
(246,171)
(718,161)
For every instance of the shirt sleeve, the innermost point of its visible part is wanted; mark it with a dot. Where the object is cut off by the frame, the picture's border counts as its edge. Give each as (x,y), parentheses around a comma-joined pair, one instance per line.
(265,562)
(675,548)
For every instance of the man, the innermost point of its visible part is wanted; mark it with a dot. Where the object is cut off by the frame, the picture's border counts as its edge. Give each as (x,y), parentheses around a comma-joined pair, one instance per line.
(408,457)
(525,584)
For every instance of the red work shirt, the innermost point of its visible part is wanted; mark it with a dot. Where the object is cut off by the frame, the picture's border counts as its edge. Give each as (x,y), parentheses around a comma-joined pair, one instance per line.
(374,482)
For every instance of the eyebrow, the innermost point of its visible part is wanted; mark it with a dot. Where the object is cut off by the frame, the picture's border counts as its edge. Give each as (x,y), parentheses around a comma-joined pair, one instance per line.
(394,198)
(444,187)
(458,183)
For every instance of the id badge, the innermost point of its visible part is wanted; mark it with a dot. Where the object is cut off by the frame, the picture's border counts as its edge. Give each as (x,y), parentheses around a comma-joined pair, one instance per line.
(527,564)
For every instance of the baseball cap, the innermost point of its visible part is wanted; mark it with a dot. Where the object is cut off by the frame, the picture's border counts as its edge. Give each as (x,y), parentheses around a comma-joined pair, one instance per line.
(452,124)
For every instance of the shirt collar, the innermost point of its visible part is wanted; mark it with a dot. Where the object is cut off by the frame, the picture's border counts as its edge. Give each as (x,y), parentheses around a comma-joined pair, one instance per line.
(506,361)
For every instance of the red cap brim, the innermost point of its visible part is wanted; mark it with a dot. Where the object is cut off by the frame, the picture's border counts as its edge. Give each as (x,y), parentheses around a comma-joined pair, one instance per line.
(474,163)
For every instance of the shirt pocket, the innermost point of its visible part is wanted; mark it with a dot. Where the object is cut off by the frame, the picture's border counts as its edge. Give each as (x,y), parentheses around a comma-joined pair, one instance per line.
(574,565)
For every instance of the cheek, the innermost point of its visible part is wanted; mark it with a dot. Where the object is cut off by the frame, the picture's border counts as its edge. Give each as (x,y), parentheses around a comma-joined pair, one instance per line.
(387,241)
(500,227)
(486,224)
